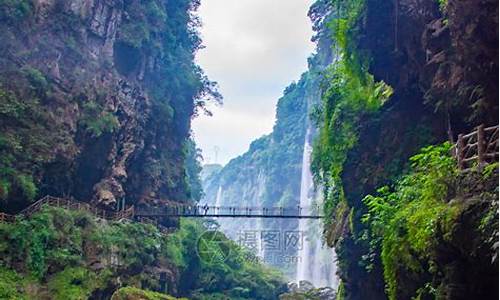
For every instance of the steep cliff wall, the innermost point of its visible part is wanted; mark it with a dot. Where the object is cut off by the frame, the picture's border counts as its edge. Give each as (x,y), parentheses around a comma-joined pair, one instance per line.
(430,55)
(97,98)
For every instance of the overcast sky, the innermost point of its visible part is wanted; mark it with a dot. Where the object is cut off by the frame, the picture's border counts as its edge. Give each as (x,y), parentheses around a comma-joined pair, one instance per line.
(254,49)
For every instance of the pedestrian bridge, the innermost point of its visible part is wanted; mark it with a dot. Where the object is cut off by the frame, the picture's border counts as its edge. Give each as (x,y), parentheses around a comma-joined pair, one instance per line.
(144,214)
(206,211)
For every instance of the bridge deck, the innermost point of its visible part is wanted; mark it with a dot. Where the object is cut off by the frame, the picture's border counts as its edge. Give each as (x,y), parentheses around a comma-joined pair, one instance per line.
(190,211)
(231,216)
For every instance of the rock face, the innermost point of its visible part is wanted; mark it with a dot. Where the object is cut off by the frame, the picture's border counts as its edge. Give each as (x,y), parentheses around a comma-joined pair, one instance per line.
(109,109)
(431,59)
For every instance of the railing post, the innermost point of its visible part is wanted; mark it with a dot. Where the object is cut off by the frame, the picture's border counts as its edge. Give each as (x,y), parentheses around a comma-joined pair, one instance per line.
(480,147)
(460,151)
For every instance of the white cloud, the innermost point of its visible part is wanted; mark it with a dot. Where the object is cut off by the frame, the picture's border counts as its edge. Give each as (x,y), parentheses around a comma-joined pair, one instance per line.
(254,49)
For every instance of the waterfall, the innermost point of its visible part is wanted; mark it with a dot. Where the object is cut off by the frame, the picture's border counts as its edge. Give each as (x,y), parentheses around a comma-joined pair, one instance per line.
(316,263)
(218,198)
(218,203)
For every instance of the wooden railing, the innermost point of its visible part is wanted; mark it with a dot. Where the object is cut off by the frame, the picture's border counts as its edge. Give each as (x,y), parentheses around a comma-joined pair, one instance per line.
(477,148)
(6,218)
(70,204)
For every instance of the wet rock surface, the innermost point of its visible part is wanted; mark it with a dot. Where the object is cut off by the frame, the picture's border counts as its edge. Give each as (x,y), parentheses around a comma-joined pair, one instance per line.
(306,290)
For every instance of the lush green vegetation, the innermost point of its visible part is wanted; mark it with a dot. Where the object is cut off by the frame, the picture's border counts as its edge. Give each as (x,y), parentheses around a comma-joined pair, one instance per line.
(235,275)
(135,293)
(54,249)
(26,135)
(442,5)
(167,30)
(405,219)
(193,169)
(351,93)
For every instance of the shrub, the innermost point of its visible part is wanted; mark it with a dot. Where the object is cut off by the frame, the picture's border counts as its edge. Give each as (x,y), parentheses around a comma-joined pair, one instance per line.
(72,284)
(403,220)
(129,292)
(97,121)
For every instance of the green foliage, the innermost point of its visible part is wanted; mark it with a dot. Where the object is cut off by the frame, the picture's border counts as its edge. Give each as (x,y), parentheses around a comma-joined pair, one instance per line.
(12,285)
(25,138)
(37,80)
(51,247)
(11,107)
(340,291)
(489,170)
(45,239)
(72,284)
(13,11)
(193,169)
(130,292)
(240,275)
(351,93)
(134,34)
(403,220)
(96,120)
(442,5)
(13,179)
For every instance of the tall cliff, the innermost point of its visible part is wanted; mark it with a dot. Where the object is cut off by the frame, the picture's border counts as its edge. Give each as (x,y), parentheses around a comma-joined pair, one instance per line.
(97,98)
(410,74)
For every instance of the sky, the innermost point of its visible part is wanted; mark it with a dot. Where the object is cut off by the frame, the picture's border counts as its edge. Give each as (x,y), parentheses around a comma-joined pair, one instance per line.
(253,49)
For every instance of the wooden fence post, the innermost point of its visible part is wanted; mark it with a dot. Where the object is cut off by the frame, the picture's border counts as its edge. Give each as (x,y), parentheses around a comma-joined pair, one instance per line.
(460,150)
(480,146)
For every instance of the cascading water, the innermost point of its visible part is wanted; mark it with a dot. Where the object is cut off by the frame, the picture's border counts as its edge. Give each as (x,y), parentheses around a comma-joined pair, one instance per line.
(218,198)
(316,262)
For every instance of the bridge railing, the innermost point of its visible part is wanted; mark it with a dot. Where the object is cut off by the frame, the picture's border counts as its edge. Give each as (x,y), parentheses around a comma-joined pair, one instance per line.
(150,214)
(228,211)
